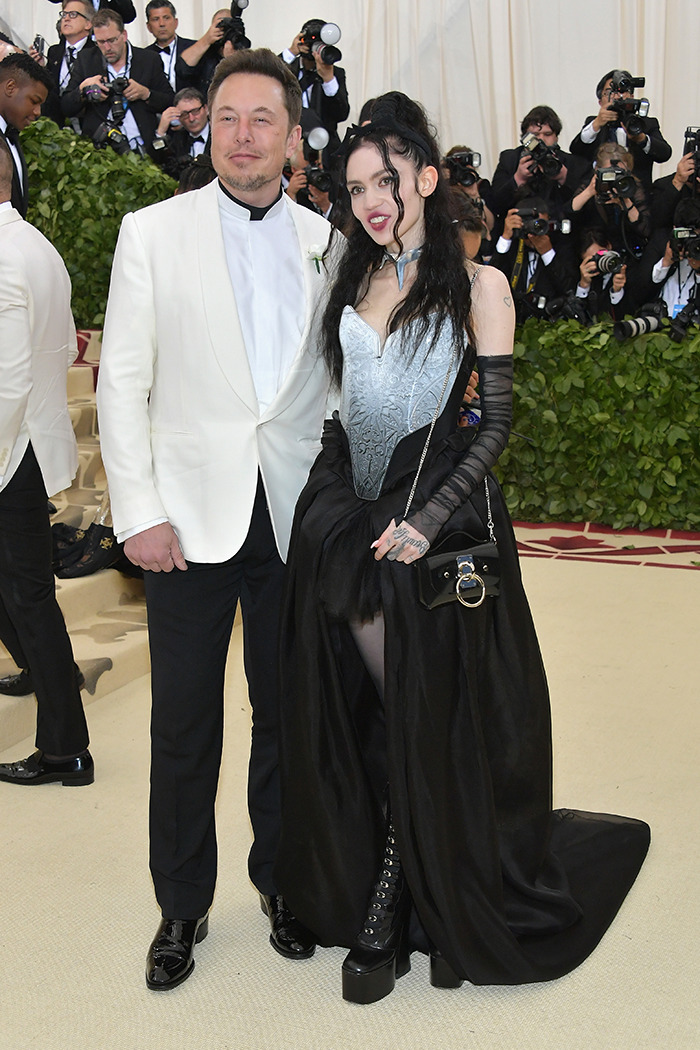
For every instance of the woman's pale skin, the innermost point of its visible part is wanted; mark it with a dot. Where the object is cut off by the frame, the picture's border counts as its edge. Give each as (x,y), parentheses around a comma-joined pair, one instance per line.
(492,313)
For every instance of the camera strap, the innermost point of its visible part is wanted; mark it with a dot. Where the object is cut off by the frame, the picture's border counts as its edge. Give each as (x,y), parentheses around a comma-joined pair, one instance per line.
(518,265)
(111,75)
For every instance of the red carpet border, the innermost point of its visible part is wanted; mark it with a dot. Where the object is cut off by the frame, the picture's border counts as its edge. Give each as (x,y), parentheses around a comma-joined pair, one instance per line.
(666,548)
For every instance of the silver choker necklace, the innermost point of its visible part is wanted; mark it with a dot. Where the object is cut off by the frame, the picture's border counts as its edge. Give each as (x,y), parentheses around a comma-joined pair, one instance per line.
(401,262)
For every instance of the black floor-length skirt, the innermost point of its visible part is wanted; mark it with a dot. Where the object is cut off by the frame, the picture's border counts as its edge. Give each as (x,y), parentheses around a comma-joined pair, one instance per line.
(506,889)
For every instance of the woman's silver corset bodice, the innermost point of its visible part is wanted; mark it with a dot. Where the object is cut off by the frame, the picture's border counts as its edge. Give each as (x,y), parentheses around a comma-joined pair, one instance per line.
(387,393)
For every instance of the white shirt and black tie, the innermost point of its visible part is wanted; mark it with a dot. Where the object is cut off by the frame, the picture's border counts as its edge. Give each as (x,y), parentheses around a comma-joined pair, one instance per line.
(69,56)
(168,56)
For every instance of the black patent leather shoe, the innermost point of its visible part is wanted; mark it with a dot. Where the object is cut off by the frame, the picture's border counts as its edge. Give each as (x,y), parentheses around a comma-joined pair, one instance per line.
(17,684)
(170,958)
(71,772)
(289,937)
(22,684)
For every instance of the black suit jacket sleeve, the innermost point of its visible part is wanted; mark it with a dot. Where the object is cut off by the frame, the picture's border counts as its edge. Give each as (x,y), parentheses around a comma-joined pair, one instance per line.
(503,187)
(125,8)
(505,191)
(331,109)
(334,109)
(52,106)
(665,200)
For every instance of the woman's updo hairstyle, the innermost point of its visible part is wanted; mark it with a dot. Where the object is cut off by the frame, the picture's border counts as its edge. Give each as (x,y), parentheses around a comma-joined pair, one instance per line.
(440,291)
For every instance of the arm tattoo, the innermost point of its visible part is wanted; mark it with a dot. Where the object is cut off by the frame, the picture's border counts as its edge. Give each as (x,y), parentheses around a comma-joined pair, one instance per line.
(508,301)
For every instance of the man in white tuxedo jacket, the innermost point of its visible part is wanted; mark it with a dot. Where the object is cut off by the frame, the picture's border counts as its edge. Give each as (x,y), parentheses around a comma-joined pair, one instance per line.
(211,407)
(38,456)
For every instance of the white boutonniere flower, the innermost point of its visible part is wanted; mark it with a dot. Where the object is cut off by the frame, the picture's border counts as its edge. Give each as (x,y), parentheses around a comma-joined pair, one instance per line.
(315,253)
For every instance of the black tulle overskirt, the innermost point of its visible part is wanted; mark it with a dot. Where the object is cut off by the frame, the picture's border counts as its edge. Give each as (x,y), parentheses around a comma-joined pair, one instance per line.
(506,889)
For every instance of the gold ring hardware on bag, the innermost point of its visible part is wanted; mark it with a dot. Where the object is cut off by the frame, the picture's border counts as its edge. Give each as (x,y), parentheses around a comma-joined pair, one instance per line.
(466,574)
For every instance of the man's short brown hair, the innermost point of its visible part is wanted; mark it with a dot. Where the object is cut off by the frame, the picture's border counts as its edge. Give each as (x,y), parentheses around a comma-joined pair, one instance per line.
(265,63)
(105,16)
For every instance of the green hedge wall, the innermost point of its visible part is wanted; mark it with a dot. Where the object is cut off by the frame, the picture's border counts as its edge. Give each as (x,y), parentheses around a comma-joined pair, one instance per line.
(614,428)
(78,196)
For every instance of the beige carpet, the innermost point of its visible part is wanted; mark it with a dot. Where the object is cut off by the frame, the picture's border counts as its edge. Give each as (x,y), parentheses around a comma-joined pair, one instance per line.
(620,645)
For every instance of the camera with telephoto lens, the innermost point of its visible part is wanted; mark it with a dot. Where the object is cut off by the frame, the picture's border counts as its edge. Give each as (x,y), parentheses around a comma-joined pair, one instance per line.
(690,314)
(110,134)
(608,261)
(318,178)
(234,30)
(534,225)
(321,37)
(462,168)
(545,157)
(631,112)
(651,318)
(685,241)
(613,182)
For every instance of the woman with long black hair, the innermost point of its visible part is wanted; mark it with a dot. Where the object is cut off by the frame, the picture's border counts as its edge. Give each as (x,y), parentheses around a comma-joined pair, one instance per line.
(416,744)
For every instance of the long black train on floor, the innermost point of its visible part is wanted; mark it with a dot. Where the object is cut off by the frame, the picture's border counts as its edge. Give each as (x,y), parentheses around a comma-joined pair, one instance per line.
(505,889)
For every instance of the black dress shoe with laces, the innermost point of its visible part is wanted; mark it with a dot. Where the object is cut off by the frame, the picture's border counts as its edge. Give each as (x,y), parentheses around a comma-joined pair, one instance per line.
(289,937)
(171,955)
(22,683)
(37,769)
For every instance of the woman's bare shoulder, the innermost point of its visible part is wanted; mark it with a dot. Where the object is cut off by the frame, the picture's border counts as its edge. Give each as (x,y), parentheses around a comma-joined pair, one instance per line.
(488,281)
(492,313)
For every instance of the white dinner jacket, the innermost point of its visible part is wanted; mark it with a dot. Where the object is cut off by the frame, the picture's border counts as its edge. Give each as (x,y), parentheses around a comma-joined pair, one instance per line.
(37,346)
(181,431)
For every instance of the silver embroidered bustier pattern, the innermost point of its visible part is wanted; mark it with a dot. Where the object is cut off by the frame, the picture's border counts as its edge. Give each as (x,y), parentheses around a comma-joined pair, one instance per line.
(385,395)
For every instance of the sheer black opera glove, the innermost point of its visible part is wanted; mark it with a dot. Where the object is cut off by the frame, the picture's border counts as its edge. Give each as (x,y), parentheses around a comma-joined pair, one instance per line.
(496,390)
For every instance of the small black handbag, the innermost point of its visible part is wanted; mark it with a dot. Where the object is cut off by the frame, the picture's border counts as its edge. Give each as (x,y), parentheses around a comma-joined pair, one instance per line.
(457,569)
(454,570)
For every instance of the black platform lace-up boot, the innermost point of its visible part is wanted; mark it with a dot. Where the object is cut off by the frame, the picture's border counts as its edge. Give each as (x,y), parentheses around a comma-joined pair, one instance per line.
(380,954)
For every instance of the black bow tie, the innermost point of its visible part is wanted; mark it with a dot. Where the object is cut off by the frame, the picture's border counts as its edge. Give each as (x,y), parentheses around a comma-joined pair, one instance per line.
(12,135)
(164,50)
(197,139)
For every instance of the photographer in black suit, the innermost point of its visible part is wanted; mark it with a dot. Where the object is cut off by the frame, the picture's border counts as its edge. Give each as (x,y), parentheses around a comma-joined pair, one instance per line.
(117,86)
(323,86)
(602,282)
(684,184)
(162,23)
(541,165)
(124,8)
(75,27)
(183,132)
(640,135)
(538,262)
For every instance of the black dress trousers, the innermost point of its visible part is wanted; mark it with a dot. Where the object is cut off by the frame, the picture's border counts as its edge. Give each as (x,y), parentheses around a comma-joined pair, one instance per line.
(31,622)
(190,618)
